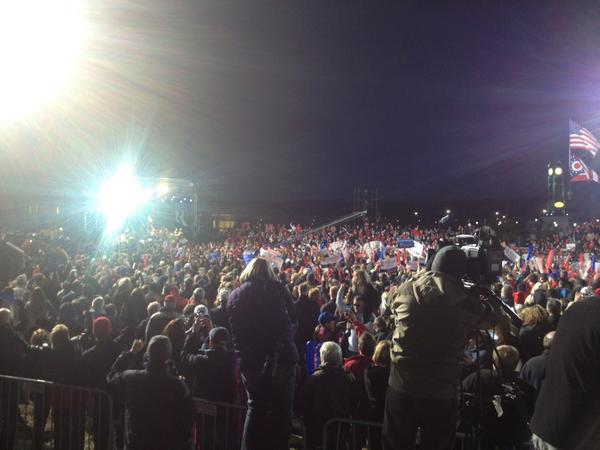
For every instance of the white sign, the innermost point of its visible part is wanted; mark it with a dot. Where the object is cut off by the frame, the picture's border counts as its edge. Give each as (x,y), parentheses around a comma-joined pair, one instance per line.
(388,264)
(570,246)
(330,260)
(511,255)
(337,246)
(417,250)
(272,257)
(539,264)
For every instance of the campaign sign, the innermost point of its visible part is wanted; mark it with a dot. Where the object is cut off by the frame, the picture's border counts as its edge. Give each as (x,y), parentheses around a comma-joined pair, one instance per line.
(406,243)
(248,256)
(511,255)
(388,264)
(330,260)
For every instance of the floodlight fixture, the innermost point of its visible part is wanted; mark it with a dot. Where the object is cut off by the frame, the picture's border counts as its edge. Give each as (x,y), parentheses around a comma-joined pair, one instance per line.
(120,196)
(163,188)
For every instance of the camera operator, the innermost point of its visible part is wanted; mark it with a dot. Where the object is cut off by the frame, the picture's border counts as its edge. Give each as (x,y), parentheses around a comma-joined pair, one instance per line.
(432,314)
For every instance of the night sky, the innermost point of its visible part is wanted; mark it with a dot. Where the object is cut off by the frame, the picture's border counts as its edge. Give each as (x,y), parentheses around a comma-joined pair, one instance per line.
(274,100)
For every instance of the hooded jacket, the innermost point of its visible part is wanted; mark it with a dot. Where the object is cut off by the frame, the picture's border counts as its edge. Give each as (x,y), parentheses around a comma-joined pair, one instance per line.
(432,315)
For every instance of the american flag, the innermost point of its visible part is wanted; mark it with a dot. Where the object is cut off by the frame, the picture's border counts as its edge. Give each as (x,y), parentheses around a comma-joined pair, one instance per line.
(579,170)
(582,139)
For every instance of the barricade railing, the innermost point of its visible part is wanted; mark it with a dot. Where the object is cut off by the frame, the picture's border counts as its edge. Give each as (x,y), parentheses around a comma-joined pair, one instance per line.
(218,426)
(37,414)
(347,434)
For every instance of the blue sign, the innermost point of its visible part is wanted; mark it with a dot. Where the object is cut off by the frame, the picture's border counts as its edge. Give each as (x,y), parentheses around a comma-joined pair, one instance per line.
(248,256)
(215,256)
(406,243)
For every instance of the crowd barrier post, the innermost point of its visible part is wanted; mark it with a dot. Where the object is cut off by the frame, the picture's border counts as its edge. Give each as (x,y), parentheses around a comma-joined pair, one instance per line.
(35,414)
(218,426)
(347,434)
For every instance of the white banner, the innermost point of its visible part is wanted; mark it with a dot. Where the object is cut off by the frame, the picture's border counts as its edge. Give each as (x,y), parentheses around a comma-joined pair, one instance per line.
(388,264)
(511,255)
(417,250)
(337,246)
(539,263)
(372,246)
(330,260)
(272,257)
(413,266)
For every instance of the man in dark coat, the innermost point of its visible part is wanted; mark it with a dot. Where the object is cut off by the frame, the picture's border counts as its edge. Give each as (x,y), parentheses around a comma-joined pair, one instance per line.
(159,320)
(213,370)
(14,349)
(567,412)
(212,373)
(96,363)
(98,360)
(534,370)
(307,313)
(328,393)
(160,411)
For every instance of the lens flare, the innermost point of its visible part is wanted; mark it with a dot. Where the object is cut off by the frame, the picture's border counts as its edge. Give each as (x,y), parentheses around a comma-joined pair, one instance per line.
(120,197)
(39,43)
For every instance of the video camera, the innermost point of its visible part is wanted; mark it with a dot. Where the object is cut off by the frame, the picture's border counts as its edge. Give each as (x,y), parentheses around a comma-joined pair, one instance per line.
(484,264)
(484,255)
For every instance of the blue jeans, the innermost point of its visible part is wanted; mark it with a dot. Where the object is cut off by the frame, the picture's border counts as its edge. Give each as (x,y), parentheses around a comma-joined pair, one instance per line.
(269,409)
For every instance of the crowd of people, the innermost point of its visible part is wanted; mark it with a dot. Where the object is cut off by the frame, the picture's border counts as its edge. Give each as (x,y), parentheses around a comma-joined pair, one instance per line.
(156,319)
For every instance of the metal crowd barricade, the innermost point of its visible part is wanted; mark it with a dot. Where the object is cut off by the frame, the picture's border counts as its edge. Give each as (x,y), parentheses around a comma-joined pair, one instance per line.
(346,434)
(37,414)
(218,426)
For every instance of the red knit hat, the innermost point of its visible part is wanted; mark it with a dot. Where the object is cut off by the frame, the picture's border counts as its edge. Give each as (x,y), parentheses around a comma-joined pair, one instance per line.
(597,292)
(102,327)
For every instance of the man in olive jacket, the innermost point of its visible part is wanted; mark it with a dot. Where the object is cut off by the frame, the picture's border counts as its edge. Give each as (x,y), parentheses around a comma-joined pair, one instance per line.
(432,315)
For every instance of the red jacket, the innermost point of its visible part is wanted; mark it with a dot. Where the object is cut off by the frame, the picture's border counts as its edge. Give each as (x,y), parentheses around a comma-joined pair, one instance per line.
(356,365)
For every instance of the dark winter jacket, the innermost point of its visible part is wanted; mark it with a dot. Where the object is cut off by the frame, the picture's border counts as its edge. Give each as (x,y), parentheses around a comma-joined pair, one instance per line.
(328,393)
(307,312)
(97,361)
(14,349)
(376,384)
(567,412)
(159,408)
(534,370)
(212,371)
(260,317)
(159,321)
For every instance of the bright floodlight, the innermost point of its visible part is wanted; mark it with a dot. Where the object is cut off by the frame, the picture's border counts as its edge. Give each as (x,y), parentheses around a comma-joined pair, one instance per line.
(558,171)
(120,197)
(162,188)
(39,43)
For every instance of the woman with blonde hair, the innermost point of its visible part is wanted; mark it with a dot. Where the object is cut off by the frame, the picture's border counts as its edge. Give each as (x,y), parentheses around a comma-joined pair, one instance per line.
(535,326)
(261,314)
